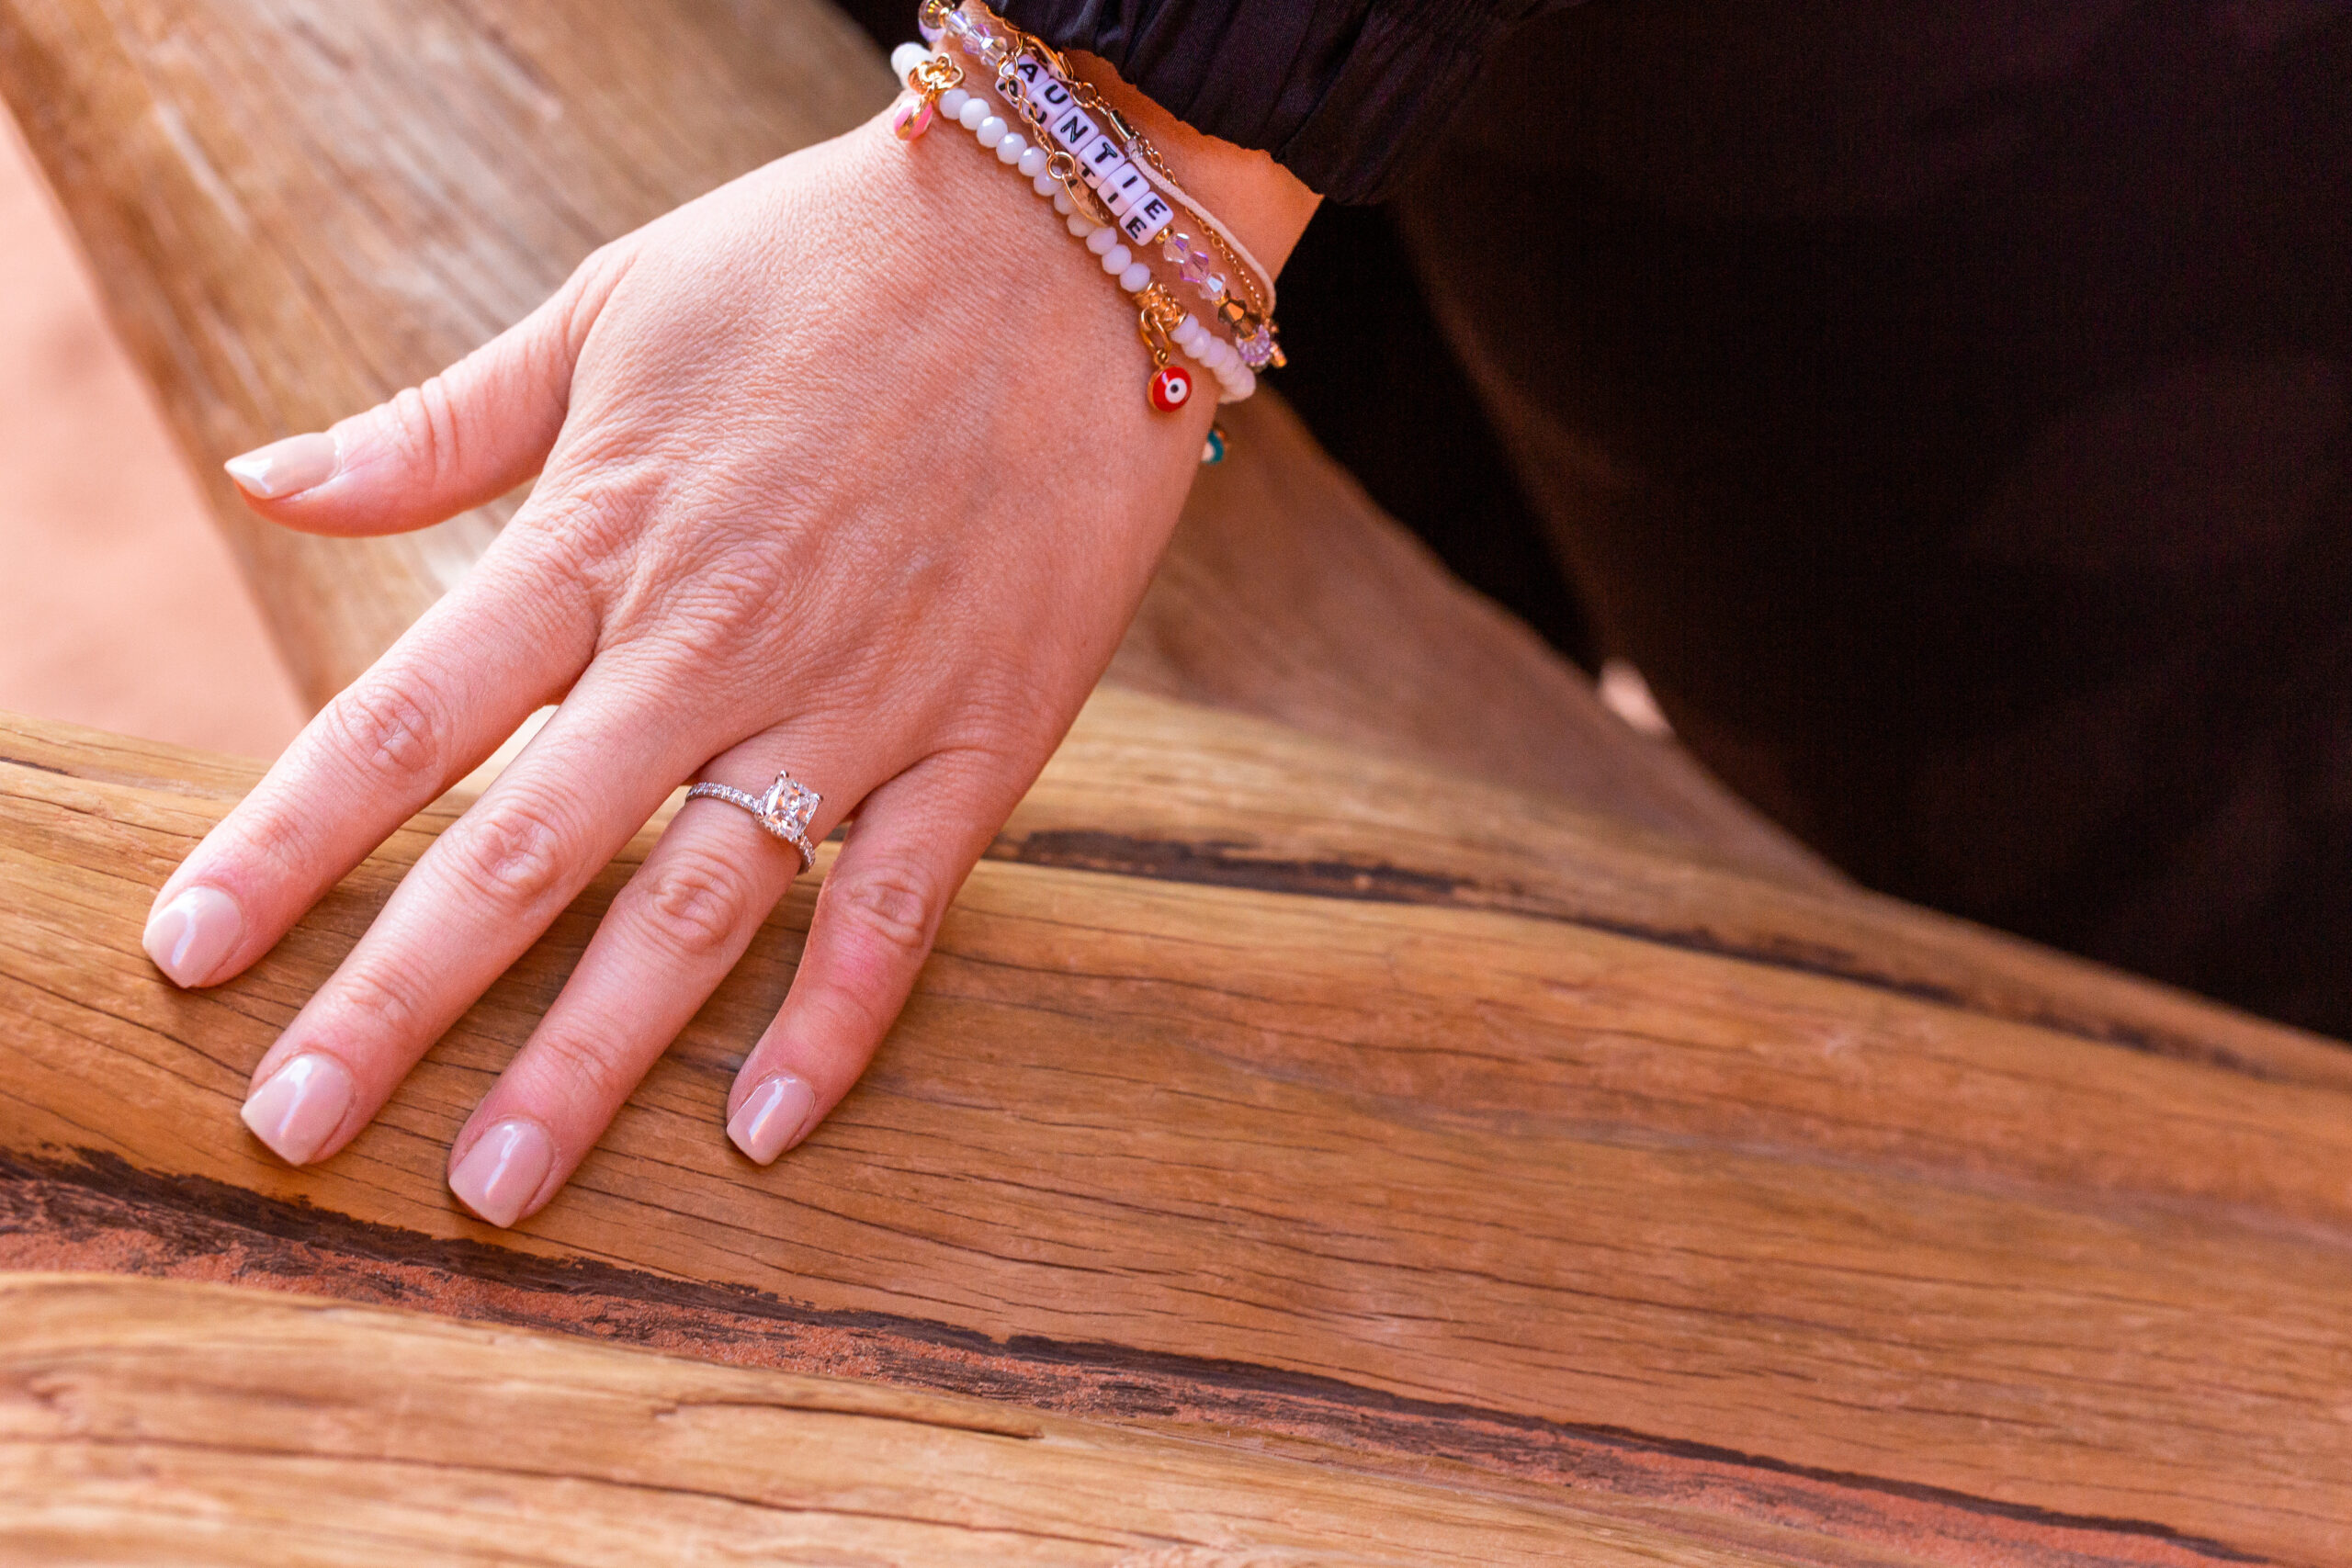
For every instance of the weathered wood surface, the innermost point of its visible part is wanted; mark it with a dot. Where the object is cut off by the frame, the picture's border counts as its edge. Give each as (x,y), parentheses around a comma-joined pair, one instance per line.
(143,1422)
(297,207)
(1306,1143)
(1266,1094)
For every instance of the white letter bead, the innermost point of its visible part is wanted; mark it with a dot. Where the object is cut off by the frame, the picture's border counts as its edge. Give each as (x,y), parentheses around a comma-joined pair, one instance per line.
(1009,151)
(1145,219)
(973,113)
(1102,240)
(1117,259)
(1033,163)
(1102,160)
(1124,188)
(1075,130)
(991,132)
(1137,278)
(952,102)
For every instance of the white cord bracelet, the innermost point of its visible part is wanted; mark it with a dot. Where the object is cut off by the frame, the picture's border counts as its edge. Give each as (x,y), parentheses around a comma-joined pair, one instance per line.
(1143,219)
(1032,77)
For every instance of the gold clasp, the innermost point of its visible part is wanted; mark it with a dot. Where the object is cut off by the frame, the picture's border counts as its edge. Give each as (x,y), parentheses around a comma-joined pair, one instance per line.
(935,76)
(1158,315)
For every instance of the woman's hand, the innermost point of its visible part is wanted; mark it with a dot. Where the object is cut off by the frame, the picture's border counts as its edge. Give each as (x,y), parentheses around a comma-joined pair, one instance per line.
(846,469)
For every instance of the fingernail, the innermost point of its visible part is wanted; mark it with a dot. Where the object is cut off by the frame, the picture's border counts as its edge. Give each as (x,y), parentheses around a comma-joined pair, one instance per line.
(301,1106)
(773,1117)
(502,1169)
(189,937)
(286,467)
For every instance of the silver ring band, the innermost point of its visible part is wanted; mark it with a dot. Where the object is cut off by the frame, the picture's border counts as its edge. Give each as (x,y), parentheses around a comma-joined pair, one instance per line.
(784,811)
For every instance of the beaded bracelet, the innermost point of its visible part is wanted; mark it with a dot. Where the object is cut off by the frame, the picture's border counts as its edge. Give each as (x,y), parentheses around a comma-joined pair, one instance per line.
(1161,321)
(1036,78)
(1106,190)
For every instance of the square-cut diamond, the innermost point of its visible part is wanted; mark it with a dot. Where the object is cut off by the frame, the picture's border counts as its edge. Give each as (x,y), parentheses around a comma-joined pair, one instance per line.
(789,806)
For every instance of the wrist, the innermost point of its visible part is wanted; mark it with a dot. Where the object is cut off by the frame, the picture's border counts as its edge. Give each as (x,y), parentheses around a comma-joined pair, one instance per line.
(1265,206)
(962,244)
(1110,183)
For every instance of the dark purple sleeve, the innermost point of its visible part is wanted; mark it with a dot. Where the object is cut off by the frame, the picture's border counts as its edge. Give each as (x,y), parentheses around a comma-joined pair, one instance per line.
(1343,93)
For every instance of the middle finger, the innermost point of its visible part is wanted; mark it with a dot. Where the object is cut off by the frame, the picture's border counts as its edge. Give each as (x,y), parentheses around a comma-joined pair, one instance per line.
(473,904)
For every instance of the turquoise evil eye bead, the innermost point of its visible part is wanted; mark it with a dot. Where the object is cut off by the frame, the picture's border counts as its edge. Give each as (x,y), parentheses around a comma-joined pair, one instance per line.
(1212,449)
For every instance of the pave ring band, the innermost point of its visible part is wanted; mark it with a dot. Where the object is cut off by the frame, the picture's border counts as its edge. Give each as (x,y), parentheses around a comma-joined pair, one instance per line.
(784,811)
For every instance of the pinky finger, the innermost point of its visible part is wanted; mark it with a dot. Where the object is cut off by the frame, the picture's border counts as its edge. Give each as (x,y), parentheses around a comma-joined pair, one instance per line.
(915,840)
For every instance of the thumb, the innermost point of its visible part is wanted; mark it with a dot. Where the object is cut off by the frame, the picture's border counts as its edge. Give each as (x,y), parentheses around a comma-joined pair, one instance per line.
(465,438)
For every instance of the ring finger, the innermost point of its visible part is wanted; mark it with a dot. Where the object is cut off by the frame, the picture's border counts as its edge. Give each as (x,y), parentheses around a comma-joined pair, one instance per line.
(672,934)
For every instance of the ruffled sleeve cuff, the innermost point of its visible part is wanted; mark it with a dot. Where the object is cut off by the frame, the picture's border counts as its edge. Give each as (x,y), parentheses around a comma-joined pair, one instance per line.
(1345,94)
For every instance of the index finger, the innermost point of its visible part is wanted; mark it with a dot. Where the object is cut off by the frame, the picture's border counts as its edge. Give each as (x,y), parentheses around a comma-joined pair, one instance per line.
(459,682)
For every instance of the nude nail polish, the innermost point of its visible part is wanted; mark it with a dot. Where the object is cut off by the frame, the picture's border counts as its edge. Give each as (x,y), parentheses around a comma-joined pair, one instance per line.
(503,1170)
(773,1117)
(189,937)
(298,1110)
(286,467)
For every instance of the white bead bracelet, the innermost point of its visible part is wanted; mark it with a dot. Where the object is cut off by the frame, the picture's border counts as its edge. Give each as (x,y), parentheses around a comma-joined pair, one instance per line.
(940,91)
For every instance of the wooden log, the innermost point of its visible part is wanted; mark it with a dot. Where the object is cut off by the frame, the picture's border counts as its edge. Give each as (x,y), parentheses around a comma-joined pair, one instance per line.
(1309,1146)
(142,1422)
(297,207)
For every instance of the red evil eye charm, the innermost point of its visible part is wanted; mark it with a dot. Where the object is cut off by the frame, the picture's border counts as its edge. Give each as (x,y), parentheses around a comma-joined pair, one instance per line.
(1171,388)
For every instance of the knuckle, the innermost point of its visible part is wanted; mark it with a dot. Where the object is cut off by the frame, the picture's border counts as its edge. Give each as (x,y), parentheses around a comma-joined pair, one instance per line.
(712,596)
(388,1001)
(278,837)
(583,295)
(425,418)
(583,530)
(581,1065)
(517,852)
(888,910)
(397,734)
(692,905)
(738,584)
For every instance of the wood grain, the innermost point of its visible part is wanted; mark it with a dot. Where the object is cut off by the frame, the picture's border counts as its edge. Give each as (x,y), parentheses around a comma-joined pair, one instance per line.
(1430,1182)
(297,207)
(143,1422)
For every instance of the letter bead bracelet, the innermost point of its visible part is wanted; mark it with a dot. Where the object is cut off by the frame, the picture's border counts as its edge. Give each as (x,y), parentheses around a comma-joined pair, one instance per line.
(1110,187)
